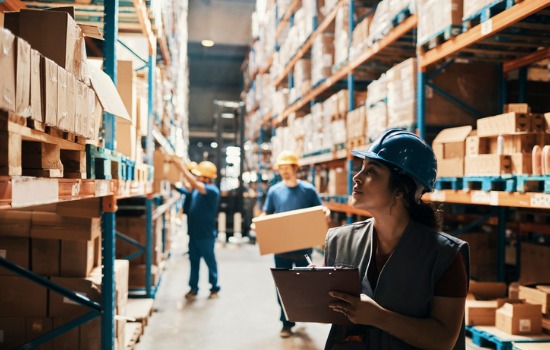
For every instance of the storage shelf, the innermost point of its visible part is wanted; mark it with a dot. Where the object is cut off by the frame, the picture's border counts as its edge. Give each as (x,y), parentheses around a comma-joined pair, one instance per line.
(482,31)
(165,207)
(366,55)
(345,208)
(325,158)
(494,198)
(307,45)
(289,12)
(15,192)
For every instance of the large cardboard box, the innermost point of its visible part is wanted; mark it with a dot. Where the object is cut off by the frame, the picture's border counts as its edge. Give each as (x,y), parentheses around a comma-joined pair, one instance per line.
(12,331)
(519,319)
(78,258)
(487,165)
(50,92)
(62,94)
(19,296)
(45,254)
(61,306)
(522,163)
(81,99)
(7,67)
(502,124)
(17,251)
(69,340)
(136,277)
(480,312)
(126,87)
(518,143)
(126,139)
(450,148)
(142,117)
(535,263)
(290,231)
(23,78)
(437,15)
(15,223)
(37,326)
(53,226)
(37,79)
(86,208)
(536,295)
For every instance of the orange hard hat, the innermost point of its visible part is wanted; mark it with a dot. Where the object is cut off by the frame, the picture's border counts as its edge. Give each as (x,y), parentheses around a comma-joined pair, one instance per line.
(287,158)
(206,169)
(191,166)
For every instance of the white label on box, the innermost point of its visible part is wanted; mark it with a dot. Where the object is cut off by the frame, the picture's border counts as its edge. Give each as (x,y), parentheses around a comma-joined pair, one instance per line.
(438,196)
(487,27)
(524,325)
(69,301)
(102,188)
(28,191)
(3,253)
(540,200)
(1,335)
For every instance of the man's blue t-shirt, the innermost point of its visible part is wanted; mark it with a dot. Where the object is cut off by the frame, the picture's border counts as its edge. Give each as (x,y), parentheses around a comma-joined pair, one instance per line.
(202,212)
(281,198)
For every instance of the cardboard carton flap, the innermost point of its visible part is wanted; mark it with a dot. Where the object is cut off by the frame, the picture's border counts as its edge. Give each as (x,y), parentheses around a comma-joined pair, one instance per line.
(107,94)
(91,31)
(453,134)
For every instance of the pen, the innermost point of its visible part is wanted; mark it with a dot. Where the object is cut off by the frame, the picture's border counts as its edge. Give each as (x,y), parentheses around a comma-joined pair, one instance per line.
(308,259)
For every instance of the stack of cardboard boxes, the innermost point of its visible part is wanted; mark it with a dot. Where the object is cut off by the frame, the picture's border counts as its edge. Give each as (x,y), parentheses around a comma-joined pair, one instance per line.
(322,57)
(61,242)
(302,79)
(436,17)
(377,111)
(402,94)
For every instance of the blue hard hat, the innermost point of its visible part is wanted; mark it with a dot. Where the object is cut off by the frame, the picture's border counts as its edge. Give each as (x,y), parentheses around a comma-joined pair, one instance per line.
(408,152)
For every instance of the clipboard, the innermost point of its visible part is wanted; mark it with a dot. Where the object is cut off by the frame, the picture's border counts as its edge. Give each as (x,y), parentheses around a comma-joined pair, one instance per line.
(304,292)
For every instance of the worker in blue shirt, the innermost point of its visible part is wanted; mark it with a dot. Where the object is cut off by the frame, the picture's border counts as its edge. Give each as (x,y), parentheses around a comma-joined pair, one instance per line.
(203,199)
(290,194)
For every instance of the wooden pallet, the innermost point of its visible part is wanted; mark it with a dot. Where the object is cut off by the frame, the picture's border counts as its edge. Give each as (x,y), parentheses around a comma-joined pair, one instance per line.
(439,38)
(448,183)
(533,184)
(102,163)
(489,183)
(30,152)
(493,337)
(487,12)
(133,331)
(140,309)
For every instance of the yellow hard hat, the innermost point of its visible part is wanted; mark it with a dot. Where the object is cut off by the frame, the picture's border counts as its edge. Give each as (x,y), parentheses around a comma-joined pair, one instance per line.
(287,158)
(191,166)
(206,169)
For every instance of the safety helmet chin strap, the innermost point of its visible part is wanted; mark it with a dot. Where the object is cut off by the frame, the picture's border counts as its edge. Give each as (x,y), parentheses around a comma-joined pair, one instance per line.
(420,189)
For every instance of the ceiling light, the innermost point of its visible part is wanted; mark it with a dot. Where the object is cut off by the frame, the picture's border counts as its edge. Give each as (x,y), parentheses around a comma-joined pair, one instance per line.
(214,145)
(228,115)
(207,43)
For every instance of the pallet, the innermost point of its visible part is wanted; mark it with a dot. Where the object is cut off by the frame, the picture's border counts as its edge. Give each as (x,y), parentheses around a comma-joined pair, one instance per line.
(449,183)
(489,183)
(53,131)
(133,331)
(318,153)
(340,146)
(25,151)
(140,309)
(103,164)
(487,12)
(439,38)
(493,337)
(533,184)
(141,172)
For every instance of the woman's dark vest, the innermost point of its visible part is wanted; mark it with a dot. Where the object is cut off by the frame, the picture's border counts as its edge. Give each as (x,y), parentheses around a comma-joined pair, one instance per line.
(406,282)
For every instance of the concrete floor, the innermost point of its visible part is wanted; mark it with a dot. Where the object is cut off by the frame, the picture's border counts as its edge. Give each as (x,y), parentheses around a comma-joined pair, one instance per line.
(245,316)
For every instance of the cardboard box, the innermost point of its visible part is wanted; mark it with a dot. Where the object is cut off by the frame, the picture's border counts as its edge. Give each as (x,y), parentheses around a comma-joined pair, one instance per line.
(136,277)
(126,140)
(50,92)
(292,230)
(12,332)
(37,326)
(535,263)
(488,290)
(81,112)
(21,297)
(69,340)
(107,94)
(23,78)
(45,254)
(86,208)
(66,121)
(126,87)
(77,257)
(96,115)
(516,107)
(90,335)
(487,164)
(7,67)
(502,124)
(61,306)
(519,143)
(37,79)
(53,226)
(142,117)
(450,148)
(522,164)
(338,182)
(480,312)
(17,251)
(539,295)
(15,223)
(519,319)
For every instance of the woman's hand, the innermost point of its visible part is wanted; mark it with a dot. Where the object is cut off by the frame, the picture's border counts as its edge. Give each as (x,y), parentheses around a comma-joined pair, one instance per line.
(362,310)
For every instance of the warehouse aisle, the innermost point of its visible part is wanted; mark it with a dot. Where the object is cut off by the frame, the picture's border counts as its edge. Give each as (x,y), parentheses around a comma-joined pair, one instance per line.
(245,316)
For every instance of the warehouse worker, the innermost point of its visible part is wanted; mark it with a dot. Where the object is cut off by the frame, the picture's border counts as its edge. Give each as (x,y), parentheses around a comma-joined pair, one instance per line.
(414,278)
(290,194)
(202,213)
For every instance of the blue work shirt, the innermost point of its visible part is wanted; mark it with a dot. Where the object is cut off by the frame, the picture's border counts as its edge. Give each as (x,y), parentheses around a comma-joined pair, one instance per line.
(202,211)
(281,198)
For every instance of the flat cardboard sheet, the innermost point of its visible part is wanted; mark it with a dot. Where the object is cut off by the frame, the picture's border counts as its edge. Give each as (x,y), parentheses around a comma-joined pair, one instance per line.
(304,293)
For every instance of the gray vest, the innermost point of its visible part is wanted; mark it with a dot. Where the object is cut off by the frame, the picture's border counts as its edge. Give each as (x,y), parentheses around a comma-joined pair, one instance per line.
(406,282)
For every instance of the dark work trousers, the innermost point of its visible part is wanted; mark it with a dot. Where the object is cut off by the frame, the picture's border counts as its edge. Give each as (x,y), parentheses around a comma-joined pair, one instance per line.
(203,248)
(288,262)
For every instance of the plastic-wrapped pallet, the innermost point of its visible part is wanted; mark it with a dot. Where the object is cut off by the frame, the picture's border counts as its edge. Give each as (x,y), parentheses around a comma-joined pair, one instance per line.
(379,24)
(356,123)
(308,133)
(360,36)
(302,77)
(280,101)
(341,35)
(377,120)
(338,132)
(377,90)
(402,94)
(330,108)
(435,17)
(472,7)
(322,56)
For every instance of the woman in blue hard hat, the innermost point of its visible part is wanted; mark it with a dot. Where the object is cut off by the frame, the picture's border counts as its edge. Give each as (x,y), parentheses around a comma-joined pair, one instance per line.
(414,279)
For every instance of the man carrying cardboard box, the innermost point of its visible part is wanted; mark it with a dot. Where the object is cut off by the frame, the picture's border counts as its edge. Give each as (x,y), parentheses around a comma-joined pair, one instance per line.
(202,201)
(290,194)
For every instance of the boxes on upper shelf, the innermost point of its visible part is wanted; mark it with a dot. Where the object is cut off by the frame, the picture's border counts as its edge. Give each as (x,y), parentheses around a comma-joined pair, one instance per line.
(7,66)
(438,18)
(450,149)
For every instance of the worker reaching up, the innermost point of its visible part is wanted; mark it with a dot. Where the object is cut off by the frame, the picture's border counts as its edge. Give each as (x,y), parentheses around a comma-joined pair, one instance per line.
(202,214)
(290,194)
